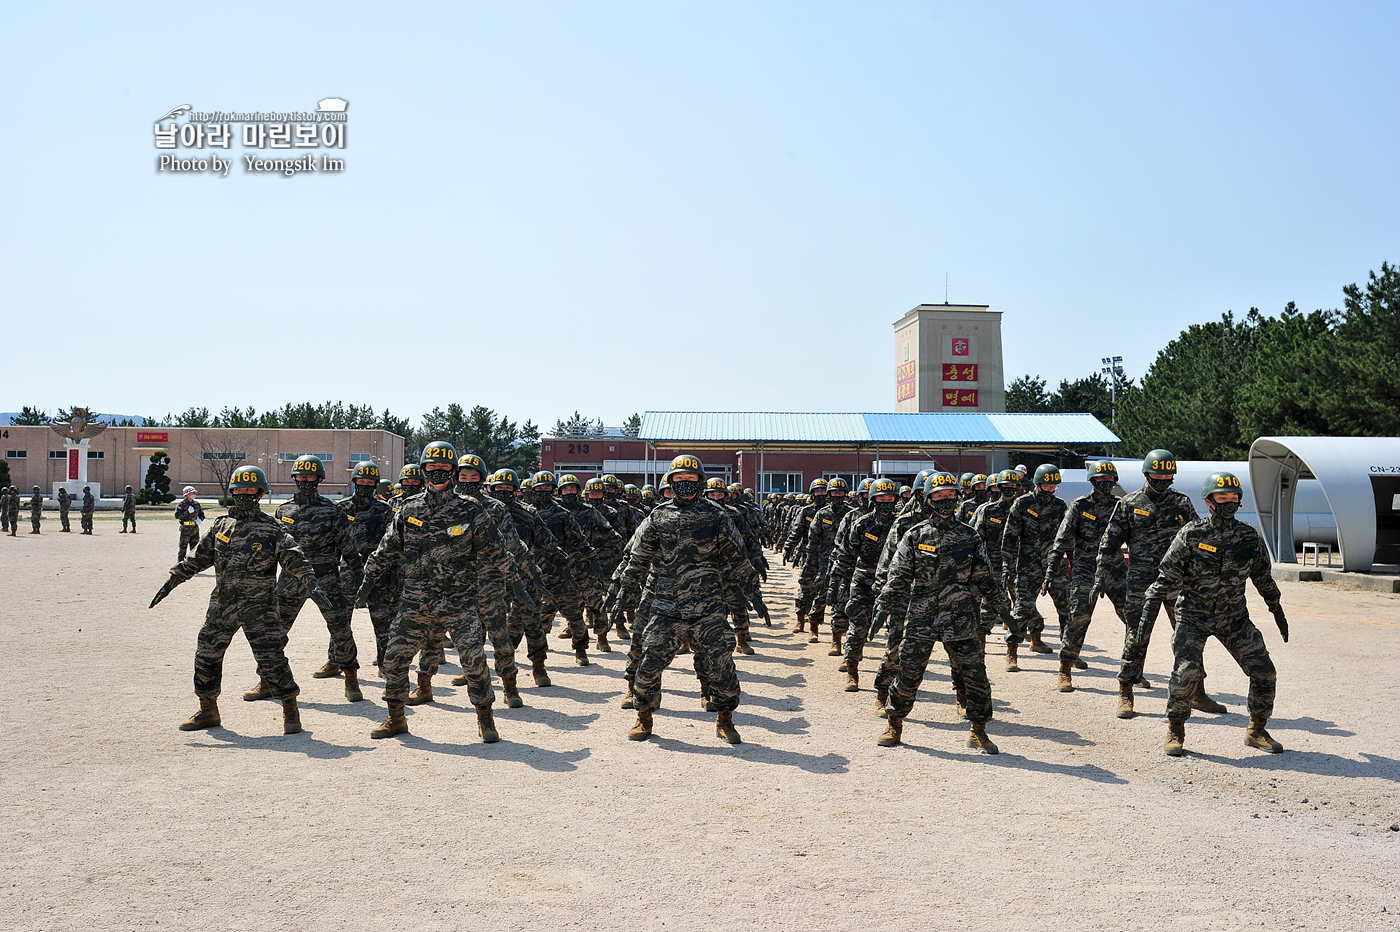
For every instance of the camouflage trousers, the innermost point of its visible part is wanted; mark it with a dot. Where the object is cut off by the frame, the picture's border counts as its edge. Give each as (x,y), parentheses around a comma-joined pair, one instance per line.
(965,656)
(889,664)
(491,608)
(129,516)
(1245,644)
(291,596)
(811,595)
(383,605)
(738,608)
(713,643)
(34,521)
(410,634)
(860,602)
(63,521)
(189,538)
(85,521)
(1025,589)
(840,609)
(641,620)
(1135,649)
(4,518)
(564,600)
(1081,610)
(263,629)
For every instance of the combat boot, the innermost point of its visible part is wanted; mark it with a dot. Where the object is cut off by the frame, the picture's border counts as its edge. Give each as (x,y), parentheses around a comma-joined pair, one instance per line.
(629,701)
(512,694)
(881,697)
(1065,683)
(291,716)
(1038,646)
(326,671)
(1125,700)
(960,699)
(835,644)
(741,643)
(460,679)
(801,621)
(893,733)
(603,646)
(1256,737)
(1079,664)
(486,725)
(812,624)
(580,657)
(724,728)
(540,674)
(1204,703)
(261,691)
(642,730)
(843,667)
(705,697)
(685,644)
(621,628)
(1175,745)
(852,679)
(424,692)
(206,717)
(978,740)
(395,724)
(1012,666)
(352,686)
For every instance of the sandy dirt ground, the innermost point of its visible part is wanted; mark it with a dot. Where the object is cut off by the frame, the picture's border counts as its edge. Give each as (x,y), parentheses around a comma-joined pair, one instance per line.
(114,819)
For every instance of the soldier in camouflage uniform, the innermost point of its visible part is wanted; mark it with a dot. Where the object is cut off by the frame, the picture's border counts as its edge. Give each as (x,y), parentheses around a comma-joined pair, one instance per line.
(838,586)
(716,492)
(1077,541)
(5,508)
(792,553)
(89,506)
(628,517)
(814,550)
(967,508)
(606,543)
(245,548)
(65,502)
(1031,523)
(437,538)
(323,534)
(369,518)
(1146,521)
(912,513)
(129,510)
(857,561)
(1206,567)
(565,597)
(595,496)
(938,572)
(36,509)
(188,513)
(694,547)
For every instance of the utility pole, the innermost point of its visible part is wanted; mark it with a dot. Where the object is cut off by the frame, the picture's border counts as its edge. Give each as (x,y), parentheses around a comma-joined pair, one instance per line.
(1113,368)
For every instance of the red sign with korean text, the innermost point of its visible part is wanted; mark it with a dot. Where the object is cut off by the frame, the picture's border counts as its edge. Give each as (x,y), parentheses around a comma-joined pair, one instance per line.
(959,372)
(960,346)
(905,380)
(73,464)
(959,397)
(152,436)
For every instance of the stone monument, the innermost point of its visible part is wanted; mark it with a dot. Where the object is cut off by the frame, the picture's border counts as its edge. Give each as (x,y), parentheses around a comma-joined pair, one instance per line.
(77,434)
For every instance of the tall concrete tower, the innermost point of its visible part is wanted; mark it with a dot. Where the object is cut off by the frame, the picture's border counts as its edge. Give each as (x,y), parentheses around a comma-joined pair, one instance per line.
(947,357)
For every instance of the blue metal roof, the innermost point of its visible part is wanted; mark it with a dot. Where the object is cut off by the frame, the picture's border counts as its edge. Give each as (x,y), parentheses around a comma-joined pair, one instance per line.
(926,428)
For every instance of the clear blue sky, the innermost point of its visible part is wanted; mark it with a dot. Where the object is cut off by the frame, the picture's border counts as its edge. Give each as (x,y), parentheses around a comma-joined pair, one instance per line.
(615,207)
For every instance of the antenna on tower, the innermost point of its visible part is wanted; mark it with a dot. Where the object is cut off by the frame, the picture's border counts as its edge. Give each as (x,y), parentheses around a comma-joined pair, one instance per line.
(945,287)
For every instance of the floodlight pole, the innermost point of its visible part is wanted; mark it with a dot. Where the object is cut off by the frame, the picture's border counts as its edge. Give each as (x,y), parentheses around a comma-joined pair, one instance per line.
(1113,368)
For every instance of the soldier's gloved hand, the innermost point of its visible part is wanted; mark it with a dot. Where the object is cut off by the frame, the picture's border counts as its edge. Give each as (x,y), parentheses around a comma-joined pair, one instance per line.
(522,596)
(596,568)
(1007,620)
(831,595)
(172,582)
(1148,619)
(877,622)
(1049,574)
(1005,577)
(610,599)
(1096,590)
(618,614)
(1277,612)
(321,597)
(362,595)
(756,599)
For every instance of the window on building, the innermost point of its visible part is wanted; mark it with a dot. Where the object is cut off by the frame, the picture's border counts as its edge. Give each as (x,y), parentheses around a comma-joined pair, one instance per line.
(16,454)
(58,454)
(360,457)
(292,457)
(217,455)
(780,482)
(97,454)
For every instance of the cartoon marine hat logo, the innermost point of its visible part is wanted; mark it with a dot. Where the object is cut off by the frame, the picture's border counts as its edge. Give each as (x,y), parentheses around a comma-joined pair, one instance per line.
(332,105)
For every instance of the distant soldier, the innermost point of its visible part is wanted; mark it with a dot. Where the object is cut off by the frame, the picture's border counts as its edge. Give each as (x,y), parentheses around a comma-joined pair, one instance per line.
(1031,524)
(369,516)
(129,510)
(188,513)
(65,501)
(36,509)
(89,506)
(5,508)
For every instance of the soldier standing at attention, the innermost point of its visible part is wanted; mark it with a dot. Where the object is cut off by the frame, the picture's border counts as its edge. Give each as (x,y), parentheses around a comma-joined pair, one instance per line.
(5,509)
(89,506)
(1206,567)
(436,539)
(566,592)
(129,510)
(368,517)
(244,548)
(188,513)
(1031,524)
(36,509)
(65,502)
(1147,521)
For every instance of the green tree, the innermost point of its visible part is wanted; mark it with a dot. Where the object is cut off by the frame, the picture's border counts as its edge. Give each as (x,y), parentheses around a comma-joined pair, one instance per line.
(632,426)
(578,426)
(193,417)
(4,474)
(1365,398)
(156,489)
(30,417)
(1027,395)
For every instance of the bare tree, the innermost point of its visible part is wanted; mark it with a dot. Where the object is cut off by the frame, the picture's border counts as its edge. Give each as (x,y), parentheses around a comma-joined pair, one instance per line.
(222,452)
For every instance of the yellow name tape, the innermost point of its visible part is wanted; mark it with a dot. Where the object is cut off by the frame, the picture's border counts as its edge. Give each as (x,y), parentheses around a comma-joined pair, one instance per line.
(928,548)
(1033,514)
(415,522)
(1139,511)
(289,520)
(1206,547)
(222,537)
(1089,516)
(871,537)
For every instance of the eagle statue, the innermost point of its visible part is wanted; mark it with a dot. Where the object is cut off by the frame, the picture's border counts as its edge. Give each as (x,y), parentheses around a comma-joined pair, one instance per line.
(78,428)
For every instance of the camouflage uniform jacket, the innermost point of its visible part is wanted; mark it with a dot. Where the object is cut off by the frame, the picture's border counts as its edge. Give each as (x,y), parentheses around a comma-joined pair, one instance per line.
(129,503)
(801,526)
(89,503)
(902,523)
(65,501)
(540,543)
(187,512)
(517,560)
(1147,525)
(628,518)
(1082,528)
(1207,564)
(989,521)
(437,538)
(695,551)
(368,520)
(245,553)
(567,533)
(321,531)
(36,504)
(967,509)
(938,574)
(821,534)
(599,531)
(860,556)
(748,537)
(1031,524)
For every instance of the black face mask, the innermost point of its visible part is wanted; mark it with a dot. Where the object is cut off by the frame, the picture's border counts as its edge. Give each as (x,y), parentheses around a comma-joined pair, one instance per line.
(569,499)
(542,496)
(686,488)
(244,505)
(885,508)
(819,500)
(437,476)
(944,507)
(1043,496)
(307,487)
(1009,494)
(364,493)
(1159,485)
(503,495)
(979,495)
(1226,510)
(469,488)
(1103,489)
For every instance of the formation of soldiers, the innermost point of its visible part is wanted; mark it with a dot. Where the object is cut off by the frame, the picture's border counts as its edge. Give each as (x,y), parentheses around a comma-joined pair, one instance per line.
(454,552)
(10,500)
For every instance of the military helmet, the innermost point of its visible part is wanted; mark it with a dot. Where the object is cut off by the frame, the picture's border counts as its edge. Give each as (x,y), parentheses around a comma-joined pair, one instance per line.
(748,495)
(629,490)
(715,484)
(687,463)
(308,466)
(817,485)
(648,494)
(383,487)
(665,483)
(883,487)
(526,485)
(611,482)
(248,477)
(365,469)
(1162,462)
(411,471)
(398,488)
(903,489)
(979,479)
(1221,482)
(936,480)
(36,488)
(439,451)
(919,481)
(736,488)
(965,482)
(544,477)
(594,485)
(837,485)
(1103,469)
(864,487)
(648,488)
(471,461)
(506,476)
(1009,477)
(1047,473)
(569,478)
